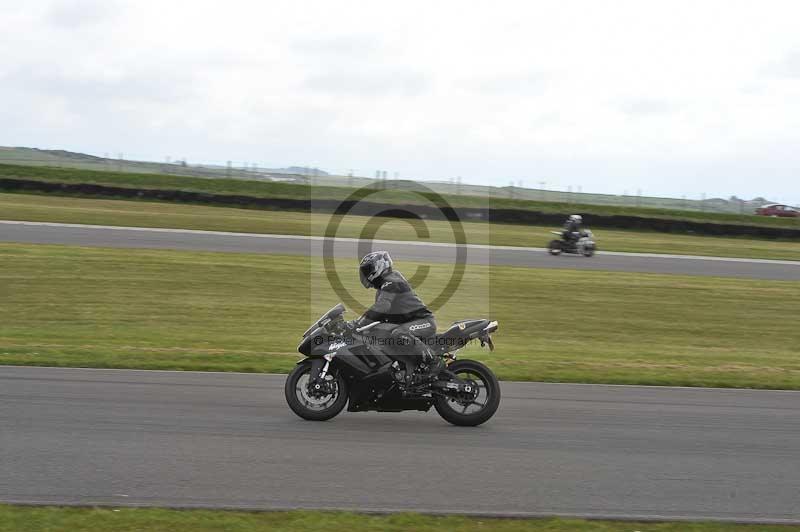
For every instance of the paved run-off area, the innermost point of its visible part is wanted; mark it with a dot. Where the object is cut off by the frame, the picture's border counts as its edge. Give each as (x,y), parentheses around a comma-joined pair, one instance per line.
(120,437)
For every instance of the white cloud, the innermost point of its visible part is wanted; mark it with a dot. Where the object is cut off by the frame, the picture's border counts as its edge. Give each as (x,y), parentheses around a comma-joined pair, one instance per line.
(671,97)
(75,14)
(787,67)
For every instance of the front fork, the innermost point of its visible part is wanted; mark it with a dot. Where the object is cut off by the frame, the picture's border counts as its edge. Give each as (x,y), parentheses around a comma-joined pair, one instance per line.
(319,369)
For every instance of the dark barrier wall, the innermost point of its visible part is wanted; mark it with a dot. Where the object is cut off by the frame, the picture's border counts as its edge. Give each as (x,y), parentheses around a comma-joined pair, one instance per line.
(511,216)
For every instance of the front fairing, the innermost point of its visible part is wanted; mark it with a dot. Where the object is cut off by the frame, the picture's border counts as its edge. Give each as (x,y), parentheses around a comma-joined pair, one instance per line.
(317,333)
(320,342)
(310,340)
(328,344)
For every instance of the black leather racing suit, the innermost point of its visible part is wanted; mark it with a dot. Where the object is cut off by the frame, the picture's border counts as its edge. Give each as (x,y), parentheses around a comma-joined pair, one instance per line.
(572,231)
(396,302)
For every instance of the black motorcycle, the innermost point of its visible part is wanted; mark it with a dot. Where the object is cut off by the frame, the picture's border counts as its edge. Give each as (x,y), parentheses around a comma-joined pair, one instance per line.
(583,245)
(357,369)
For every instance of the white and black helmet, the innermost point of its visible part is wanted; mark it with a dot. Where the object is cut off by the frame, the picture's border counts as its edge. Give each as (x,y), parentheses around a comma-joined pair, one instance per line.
(373,266)
(576,218)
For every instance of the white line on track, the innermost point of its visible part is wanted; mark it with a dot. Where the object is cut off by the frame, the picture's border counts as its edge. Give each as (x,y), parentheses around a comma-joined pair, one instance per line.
(392,242)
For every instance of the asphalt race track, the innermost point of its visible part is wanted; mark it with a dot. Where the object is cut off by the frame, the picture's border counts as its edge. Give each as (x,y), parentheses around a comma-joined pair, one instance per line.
(129,237)
(186,439)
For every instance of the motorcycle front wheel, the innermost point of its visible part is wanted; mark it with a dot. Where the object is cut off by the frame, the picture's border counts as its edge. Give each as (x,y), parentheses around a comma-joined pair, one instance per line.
(588,251)
(314,406)
(478,408)
(554,247)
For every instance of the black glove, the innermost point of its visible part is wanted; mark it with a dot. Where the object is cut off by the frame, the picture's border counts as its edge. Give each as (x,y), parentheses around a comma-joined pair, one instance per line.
(350,326)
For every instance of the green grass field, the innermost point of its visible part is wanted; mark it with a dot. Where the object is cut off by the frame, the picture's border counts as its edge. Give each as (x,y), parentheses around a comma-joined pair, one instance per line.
(155,214)
(54,519)
(70,306)
(284,190)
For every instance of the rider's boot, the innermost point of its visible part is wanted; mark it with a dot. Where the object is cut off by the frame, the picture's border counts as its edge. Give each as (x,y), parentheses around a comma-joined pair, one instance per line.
(430,367)
(398,371)
(419,363)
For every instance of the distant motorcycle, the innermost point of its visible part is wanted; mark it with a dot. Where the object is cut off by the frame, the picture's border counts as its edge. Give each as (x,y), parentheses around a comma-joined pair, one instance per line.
(352,368)
(583,245)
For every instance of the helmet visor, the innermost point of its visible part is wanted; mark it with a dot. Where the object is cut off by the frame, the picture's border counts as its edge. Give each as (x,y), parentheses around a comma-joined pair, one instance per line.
(363,271)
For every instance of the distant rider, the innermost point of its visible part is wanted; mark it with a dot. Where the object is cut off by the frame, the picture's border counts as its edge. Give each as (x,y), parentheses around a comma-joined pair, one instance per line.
(573,228)
(396,302)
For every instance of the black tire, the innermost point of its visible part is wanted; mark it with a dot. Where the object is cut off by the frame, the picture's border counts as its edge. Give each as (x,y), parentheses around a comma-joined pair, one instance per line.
(588,251)
(445,408)
(554,247)
(299,408)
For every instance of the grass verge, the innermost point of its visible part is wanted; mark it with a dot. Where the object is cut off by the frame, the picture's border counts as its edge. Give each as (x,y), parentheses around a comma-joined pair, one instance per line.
(70,306)
(57,519)
(153,214)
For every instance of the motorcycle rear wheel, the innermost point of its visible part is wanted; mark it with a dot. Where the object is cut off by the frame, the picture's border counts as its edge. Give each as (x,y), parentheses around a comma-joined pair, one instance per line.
(308,407)
(487,400)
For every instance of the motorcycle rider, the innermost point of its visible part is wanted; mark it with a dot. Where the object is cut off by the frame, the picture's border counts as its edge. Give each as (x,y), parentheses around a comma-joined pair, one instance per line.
(396,302)
(573,228)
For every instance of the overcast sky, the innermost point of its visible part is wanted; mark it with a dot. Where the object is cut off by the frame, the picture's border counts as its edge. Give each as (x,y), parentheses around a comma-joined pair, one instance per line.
(671,97)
